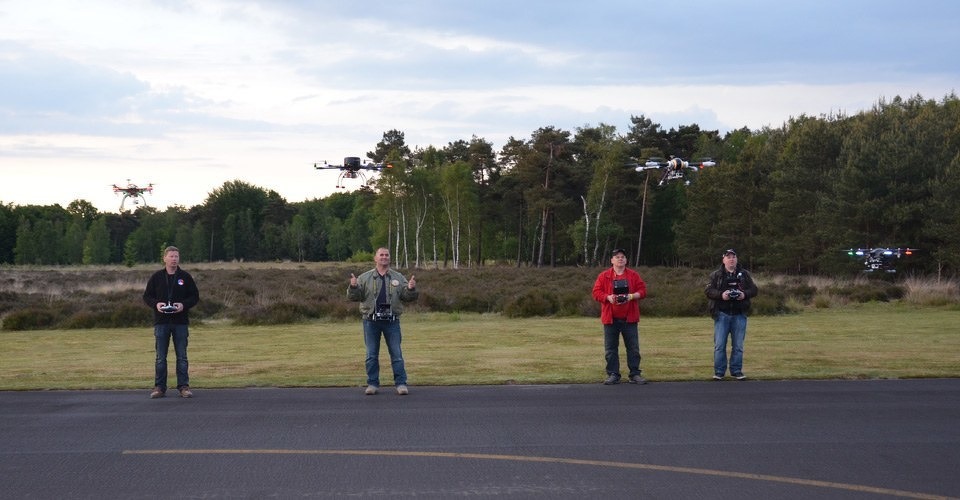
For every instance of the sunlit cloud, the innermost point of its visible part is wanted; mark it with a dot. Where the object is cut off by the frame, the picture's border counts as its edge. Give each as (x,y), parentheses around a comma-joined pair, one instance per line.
(191,94)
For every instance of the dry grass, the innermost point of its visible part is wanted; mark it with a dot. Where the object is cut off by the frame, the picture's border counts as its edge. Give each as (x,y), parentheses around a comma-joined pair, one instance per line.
(928,291)
(862,341)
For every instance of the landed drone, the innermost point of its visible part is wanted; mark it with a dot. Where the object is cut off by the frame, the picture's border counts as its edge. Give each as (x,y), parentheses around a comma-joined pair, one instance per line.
(134,192)
(352,168)
(674,168)
(880,259)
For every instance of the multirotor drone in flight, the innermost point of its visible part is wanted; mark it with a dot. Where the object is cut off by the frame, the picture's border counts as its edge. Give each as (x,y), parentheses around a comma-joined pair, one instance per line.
(352,168)
(134,192)
(674,168)
(880,259)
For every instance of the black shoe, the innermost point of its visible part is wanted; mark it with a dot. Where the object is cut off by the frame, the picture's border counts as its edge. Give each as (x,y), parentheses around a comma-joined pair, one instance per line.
(739,376)
(613,379)
(718,377)
(637,379)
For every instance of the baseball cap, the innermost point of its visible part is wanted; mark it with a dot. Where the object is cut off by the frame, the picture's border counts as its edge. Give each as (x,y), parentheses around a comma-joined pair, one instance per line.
(618,250)
(729,251)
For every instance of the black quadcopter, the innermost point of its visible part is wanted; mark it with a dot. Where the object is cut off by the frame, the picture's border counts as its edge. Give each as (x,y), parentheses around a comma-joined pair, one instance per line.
(352,168)
(674,168)
(880,259)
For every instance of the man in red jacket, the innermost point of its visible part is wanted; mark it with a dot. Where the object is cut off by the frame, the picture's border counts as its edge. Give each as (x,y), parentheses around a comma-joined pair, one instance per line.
(619,291)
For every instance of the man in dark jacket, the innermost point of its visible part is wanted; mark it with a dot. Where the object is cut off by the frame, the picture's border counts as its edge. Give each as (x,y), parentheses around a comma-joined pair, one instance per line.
(730,289)
(171,292)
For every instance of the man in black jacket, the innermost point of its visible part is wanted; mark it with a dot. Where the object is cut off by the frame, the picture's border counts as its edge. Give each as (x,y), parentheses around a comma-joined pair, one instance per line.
(171,292)
(730,289)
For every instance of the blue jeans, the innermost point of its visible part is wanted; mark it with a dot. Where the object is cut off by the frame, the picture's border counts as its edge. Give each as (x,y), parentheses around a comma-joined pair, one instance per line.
(163,333)
(372,330)
(733,326)
(631,343)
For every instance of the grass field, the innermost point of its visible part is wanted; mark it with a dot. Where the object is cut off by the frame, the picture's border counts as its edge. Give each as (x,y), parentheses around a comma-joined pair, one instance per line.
(874,340)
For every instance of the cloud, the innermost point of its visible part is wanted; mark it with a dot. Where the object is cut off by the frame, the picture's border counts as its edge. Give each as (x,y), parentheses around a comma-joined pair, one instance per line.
(216,90)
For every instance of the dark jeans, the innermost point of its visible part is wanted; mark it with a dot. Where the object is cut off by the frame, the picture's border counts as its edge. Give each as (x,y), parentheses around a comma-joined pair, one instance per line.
(179,334)
(372,330)
(611,346)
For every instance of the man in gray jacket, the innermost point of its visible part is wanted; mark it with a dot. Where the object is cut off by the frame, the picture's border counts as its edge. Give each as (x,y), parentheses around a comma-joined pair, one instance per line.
(381,293)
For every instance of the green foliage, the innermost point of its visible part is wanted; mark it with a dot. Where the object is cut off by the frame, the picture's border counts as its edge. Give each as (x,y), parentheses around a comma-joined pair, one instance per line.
(361,257)
(790,197)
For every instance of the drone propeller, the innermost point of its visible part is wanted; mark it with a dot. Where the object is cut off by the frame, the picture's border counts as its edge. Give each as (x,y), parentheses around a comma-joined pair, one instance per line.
(649,164)
(704,163)
(352,164)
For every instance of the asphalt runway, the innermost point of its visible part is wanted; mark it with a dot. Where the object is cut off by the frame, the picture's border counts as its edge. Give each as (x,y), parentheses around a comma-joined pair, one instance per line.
(717,440)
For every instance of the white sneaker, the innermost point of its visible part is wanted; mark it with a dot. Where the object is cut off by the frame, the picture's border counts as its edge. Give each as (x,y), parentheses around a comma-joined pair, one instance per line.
(402,390)
(370,390)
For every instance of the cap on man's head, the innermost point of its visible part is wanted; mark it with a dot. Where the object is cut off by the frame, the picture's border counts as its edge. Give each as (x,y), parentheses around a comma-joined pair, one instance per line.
(729,251)
(618,250)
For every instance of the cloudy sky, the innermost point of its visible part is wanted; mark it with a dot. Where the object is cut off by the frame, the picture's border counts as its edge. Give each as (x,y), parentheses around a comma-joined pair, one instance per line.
(191,94)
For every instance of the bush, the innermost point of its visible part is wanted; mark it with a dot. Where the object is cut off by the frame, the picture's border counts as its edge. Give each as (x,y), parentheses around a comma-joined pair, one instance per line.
(9,301)
(87,319)
(531,303)
(274,314)
(130,315)
(29,319)
(36,298)
(361,257)
(871,291)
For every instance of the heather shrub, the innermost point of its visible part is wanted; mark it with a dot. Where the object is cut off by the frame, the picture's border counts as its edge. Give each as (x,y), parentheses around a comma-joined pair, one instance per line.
(8,301)
(87,319)
(274,293)
(273,314)
(531,303)
(131,314)
(29,319)
(870,291)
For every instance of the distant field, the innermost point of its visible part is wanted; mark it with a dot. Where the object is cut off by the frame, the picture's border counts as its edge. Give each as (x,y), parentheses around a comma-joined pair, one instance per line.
(874,340)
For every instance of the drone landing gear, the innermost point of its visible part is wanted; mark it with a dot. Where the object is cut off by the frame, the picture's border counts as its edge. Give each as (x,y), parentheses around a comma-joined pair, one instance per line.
(348,174)
(133,199)
(670,175)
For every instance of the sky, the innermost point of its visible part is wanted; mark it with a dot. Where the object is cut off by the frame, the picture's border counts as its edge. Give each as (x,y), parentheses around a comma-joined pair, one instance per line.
(188,95)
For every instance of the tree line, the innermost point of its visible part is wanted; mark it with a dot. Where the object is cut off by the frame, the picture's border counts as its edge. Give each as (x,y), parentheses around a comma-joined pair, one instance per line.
(790,198)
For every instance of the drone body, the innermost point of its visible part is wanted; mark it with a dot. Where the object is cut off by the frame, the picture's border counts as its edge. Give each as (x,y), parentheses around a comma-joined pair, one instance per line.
(352,168)
(134,192)
(673,169)
(879,259)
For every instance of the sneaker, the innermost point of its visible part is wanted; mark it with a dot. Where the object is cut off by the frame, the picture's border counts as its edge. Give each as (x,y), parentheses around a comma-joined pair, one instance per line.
(613,379)
(157,393)
(739,376)
(402,390)
(185,392)
(637,379)
(718,377)
(370,390)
